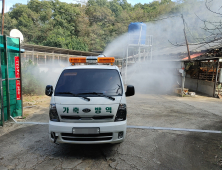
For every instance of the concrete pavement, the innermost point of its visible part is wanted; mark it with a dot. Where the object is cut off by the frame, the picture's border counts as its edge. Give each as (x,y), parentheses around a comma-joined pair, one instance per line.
(28,147)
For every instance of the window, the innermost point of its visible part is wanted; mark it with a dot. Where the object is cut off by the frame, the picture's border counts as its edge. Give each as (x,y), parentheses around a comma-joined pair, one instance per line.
(78,81)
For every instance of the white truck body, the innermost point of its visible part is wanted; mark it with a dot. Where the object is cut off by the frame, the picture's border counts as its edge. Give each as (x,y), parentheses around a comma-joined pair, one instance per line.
(88,122)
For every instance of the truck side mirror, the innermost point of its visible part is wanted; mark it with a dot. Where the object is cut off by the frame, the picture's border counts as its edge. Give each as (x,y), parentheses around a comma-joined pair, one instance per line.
(48,90)
(130,91)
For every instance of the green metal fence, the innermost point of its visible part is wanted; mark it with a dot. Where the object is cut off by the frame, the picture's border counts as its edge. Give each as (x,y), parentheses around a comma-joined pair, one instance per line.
(10,78)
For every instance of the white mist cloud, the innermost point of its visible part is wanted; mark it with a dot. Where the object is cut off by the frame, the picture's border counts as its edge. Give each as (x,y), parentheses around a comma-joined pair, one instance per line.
(160,76)
(155,77)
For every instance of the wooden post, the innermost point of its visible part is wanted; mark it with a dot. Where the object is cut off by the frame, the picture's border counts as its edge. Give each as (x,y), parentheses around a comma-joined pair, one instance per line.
(32,54)
(53,57)
(207,70)
(215,83)
(198,76)
(183,80)
(213,74)
(188,51)
(45,58)
(3,13)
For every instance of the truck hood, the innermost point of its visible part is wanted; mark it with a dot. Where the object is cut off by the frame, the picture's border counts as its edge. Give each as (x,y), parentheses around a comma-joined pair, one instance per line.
(79,110)
(80,101)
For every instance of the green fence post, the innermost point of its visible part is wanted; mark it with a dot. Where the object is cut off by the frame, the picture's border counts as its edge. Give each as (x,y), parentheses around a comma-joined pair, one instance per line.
(7,79)
(2,103)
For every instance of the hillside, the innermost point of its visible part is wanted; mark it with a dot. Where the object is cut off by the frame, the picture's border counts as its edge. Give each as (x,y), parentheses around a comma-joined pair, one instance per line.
(83,27)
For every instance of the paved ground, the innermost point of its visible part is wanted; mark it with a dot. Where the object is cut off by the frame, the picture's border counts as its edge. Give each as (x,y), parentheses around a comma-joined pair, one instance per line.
(28,147)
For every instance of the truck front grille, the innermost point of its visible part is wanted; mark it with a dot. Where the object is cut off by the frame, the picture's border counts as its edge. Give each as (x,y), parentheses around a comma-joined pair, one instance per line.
(87,137)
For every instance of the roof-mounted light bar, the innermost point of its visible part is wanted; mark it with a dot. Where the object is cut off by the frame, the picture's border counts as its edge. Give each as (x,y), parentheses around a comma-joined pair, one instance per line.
(74,60)
(92,60)
(106,59)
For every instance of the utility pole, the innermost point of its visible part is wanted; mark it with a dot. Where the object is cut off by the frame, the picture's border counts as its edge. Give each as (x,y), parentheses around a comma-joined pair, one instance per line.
(188,51)
(3,11)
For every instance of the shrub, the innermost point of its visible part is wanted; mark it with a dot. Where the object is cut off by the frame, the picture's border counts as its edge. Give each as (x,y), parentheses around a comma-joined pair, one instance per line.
(31,79)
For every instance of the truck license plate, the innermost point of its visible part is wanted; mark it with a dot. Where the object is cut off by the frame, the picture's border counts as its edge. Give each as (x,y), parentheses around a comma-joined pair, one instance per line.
(86,130)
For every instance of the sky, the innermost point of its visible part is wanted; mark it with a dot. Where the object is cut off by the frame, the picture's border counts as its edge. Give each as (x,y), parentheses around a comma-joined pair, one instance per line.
(10,3)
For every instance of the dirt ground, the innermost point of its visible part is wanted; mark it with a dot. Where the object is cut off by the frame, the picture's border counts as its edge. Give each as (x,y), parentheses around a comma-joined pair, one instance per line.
(31,104)
(28,146)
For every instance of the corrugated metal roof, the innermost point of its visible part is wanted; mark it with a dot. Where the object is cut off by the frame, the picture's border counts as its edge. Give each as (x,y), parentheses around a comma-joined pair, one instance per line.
(47,49)
(198,52)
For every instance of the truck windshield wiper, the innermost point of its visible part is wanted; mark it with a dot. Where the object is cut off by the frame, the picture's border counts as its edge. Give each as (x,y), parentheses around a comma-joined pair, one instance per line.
(76,95)
(100,94)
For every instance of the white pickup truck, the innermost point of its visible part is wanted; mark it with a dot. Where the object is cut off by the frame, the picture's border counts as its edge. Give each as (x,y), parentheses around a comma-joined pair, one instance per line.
(88,104)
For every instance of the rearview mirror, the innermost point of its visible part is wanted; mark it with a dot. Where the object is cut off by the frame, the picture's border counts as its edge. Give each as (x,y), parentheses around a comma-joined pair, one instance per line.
(130,91)
(48,90)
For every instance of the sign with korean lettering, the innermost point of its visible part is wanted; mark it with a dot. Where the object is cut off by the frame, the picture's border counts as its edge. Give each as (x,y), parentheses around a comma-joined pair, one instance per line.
(17,67)
(18,90)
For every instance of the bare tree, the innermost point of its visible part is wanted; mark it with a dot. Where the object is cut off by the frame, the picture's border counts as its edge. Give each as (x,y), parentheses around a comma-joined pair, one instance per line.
(213,29)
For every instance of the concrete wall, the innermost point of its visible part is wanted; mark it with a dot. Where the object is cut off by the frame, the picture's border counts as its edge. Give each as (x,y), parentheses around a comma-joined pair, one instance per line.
(202,86)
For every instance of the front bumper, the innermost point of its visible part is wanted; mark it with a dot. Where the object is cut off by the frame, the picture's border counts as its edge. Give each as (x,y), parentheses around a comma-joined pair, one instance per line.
(61,128)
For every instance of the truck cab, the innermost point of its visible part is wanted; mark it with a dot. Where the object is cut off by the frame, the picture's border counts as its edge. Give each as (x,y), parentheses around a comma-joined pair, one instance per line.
(88,103)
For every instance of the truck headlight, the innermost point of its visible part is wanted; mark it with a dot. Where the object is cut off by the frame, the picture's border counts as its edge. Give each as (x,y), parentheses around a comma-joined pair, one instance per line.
(53,114)
(121,113)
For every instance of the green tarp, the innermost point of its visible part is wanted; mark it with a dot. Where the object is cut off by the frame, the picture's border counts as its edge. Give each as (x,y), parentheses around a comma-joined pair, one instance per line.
(9,48)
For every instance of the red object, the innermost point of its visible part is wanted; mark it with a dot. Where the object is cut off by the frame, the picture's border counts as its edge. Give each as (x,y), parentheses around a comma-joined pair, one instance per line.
(193,56)
(18,90)
(17,67)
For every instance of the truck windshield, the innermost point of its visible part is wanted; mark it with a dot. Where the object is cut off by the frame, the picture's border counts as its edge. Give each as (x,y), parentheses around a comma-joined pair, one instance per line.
(89,82)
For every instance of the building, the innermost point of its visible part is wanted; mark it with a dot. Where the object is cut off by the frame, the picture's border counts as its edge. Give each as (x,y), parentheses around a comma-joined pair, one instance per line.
(41,55)
(202,71)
